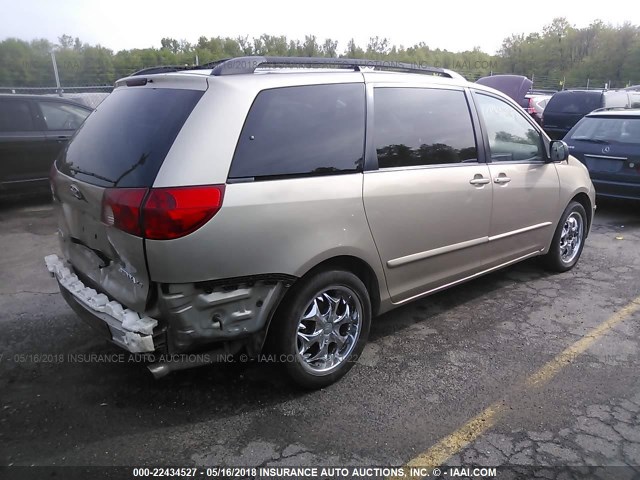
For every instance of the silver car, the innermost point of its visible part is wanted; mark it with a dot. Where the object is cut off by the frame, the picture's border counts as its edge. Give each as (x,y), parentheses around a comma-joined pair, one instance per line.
(277,205)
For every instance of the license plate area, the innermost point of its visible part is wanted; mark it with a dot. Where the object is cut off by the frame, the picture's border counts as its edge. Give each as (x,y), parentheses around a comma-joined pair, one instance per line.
(604,165)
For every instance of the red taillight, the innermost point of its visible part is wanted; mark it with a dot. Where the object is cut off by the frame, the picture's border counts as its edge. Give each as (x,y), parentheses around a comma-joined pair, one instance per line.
(121,208)
(178,211)
(53,173)
(531,108)
(166,213)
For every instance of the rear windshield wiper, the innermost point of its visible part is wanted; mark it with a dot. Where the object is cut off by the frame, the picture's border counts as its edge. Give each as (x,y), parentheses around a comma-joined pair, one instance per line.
(91,174)
(592,140)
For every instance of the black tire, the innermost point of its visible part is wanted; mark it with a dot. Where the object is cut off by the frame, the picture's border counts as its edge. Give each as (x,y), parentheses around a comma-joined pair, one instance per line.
(284,329)
(557,259)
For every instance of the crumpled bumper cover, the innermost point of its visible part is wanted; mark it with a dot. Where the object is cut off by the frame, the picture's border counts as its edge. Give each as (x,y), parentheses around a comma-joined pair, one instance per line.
(128,329)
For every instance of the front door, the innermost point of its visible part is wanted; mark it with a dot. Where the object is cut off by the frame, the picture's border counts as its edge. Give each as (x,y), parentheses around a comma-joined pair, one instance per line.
(526,189)
(429,202)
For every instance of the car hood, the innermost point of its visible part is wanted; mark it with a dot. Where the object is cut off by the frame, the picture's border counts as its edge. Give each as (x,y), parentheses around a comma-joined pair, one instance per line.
(515,86)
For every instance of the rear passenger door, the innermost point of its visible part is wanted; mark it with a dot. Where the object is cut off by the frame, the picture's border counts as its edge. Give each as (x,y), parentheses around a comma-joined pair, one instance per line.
(21,142)
(526,189)
(428,199)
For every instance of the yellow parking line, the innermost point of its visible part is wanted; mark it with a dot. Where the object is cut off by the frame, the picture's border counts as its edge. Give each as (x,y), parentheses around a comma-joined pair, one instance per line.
(549,370)
(459,439)
(456,441)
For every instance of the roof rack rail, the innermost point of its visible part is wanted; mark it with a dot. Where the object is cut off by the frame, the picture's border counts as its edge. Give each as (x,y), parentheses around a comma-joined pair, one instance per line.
(243,65)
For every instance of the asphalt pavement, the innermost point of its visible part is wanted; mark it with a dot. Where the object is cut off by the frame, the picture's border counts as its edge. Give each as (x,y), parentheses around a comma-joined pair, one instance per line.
(460,366)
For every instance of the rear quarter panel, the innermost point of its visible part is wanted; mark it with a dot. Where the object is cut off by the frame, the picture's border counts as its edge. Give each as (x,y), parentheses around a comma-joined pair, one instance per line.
(277,226)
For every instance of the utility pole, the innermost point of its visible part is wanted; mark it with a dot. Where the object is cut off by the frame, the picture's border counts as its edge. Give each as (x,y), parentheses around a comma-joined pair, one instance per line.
(55,72)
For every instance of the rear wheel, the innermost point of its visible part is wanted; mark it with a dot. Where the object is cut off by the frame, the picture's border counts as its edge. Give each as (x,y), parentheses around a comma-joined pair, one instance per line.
(322,327)
(568,240)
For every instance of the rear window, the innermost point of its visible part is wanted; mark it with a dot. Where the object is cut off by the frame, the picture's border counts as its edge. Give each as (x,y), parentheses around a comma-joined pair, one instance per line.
(307,130)
(574,102)
(124,142)
(608,129)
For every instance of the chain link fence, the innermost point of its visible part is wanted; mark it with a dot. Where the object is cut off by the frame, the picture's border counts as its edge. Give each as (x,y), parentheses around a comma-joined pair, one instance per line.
(90,96)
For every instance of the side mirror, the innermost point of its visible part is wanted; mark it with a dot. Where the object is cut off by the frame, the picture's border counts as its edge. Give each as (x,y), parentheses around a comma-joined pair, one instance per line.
(558,151)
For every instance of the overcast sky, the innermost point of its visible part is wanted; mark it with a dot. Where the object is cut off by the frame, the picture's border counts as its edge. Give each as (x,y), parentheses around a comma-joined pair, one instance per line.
(451,25)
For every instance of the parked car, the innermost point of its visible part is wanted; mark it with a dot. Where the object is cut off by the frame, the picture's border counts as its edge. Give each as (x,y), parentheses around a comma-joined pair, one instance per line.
(568,106)
(33,131)
(88,99)
(608,143)
(536,104)
(218,210)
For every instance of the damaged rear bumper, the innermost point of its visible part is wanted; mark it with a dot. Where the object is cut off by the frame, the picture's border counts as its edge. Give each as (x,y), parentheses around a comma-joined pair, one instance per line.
(181,318)
(125,327)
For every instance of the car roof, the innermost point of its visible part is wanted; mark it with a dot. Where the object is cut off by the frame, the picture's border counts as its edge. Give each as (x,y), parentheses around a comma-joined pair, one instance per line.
(256,73)
(47,97)
(258,66)
(616,112)
(281,77)
(323,73)
(587,92)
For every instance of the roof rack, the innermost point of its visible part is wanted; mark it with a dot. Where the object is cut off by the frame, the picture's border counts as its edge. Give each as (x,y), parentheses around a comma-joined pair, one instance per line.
(244,65)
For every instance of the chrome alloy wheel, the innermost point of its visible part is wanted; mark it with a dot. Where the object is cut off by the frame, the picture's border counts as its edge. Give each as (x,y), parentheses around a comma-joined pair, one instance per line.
(571,237)
(329,329)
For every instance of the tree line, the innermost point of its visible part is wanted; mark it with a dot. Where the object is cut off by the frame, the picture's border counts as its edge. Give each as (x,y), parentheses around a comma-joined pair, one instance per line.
(560,55)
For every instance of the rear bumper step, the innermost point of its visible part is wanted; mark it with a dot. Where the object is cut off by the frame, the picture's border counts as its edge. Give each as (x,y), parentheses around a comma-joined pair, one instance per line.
(127,328)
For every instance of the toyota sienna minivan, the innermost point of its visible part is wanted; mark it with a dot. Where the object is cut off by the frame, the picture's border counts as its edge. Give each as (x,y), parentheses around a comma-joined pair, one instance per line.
(284,203)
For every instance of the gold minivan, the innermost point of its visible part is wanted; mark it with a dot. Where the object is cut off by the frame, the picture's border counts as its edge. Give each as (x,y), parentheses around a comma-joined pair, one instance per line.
(282,203)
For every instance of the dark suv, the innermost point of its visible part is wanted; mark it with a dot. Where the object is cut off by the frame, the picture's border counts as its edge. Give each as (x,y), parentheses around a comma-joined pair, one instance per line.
(568,106)
(33,131)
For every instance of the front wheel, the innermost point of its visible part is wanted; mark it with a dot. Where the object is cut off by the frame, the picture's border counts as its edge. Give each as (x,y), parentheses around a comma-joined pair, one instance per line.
(322,327)
(568,240)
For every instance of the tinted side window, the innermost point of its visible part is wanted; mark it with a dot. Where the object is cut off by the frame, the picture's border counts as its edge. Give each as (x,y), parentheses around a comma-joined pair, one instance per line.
(511,136)
(302,130)
(62,116)
(420,126)
(15,115)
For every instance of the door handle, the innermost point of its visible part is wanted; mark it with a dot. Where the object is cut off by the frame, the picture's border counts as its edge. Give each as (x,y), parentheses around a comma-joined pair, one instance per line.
(502,179)
(479,181)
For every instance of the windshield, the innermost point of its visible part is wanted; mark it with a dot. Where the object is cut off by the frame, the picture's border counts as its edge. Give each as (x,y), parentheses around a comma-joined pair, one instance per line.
(124,142)
(608,129)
